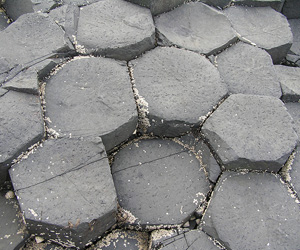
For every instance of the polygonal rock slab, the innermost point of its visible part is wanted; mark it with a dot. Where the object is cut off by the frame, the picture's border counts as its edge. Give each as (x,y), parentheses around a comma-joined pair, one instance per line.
(66,191)
(115,28)
(263,27)
(21,126)
(294,111)
(158,182)
(253,72)
(295,27)
(291,9)
(92,97)
(289,78)
(3,21)
(258,209)
(197,27)
(251,132)
(275,4)
(180,87)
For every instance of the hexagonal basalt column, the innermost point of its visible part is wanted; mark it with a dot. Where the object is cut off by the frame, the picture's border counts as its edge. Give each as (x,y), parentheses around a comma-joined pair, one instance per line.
(115,28)
(92,97)
(197,27)
(251,132)
(66,191)
(180,87)
(158,182)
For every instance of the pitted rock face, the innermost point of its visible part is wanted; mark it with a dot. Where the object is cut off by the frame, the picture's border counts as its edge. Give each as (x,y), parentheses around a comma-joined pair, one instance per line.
(115,28)
(253,72)
(264,27)
(159,182)
(251,132)
(197,27)
(180,88)
(92,97)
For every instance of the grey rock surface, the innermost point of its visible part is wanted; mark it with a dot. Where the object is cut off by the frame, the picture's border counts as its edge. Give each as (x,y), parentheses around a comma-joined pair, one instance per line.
(289,78)
(80,2)
(295,27)
(197,27)
(21,127)
(180,87)
(251,132)
(258,209)
(253,72)
(158,182)
(92,97)
(291,9)
(115,28)
(220,4)
(263,27)
(3,20)
(294,111)
(294,172)
(68,196)
(275,4)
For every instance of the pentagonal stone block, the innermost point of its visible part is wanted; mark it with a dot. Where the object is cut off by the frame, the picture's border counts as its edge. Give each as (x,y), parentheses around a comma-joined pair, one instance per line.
(259,26)
(92,97)
(289,78)
(252,132)
(66,191)
(291,9)
(178,93)
(295,27)
(259,210)
(115,28)
(275,4)
(158,182)
(294,111)
(3,21)
(253,72)
(21,126)
(197,27)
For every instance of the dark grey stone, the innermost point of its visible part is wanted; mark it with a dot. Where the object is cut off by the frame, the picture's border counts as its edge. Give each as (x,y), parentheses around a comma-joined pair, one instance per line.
(248,70)
(253,211)
(80,2)
(259,26)
(66,192)
(220,4)
(21,127)
(115,28)
(251,132)
(92,97)
(295,27)
(294,111)
(179,95)
(158,182)
(197,27)
(291,9)
(4,22)
(289,78)
(275,4)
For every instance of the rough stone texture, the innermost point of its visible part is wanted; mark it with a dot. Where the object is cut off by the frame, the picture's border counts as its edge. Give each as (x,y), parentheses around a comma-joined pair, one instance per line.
(275,4)
(98,23)
(12,233)
(295,172)
(3,20)
(291,9)
(294,111)
(180,87)
(251,132)
(295,27)
(123,239)
(253,72)
(289,78)
(68,195)
(220,4)
(159,182)
(21,127)
(264,27)
(92,97)
(197,27)
(259,210)
(80,2)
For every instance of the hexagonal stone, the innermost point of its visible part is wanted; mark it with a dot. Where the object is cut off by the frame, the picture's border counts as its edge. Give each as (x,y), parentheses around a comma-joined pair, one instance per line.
(3,21)
(289,78)
(275,4)
(158,182)
(251,132)
(197,27)
(97,27)
(66,191)
(180,87)
(253,72)
(92,97)
(21,127)
(291,9)
(263,27)
(294,111)
(258,209)
(295,27)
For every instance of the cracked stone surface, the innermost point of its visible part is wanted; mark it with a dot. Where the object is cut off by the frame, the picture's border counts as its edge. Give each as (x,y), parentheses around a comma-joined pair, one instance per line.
(294,111)
(275,4)
(92,97)
(264,27)
(291,9)
(178,94)
(54,196)
(158,182)
(289,78)
(197,27)
(259,209)
(254,71)
(99,21)
(251,132)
